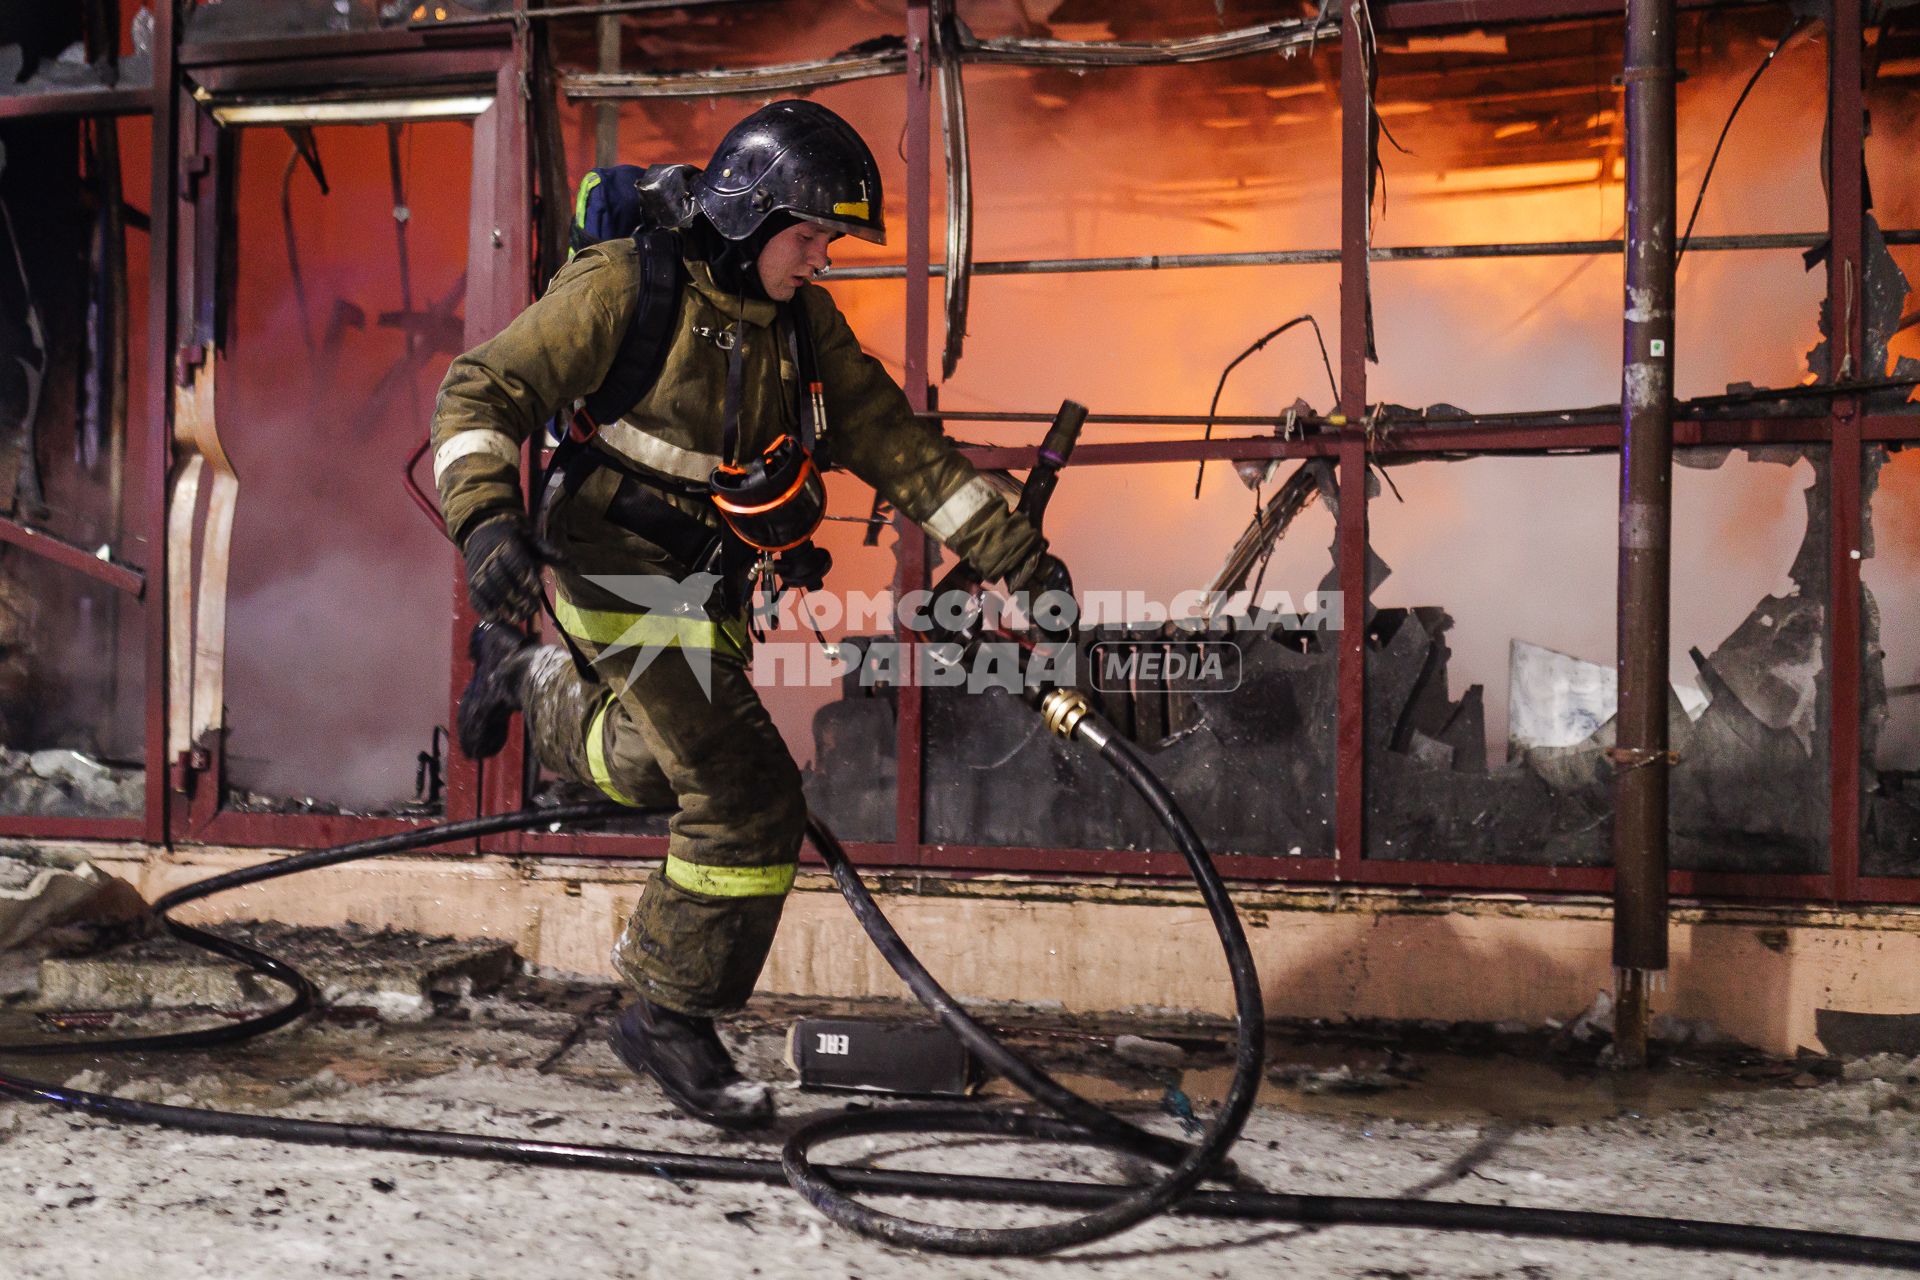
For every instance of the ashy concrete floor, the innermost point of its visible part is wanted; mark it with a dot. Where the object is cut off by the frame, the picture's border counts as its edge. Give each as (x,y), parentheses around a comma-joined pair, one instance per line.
(83,1198)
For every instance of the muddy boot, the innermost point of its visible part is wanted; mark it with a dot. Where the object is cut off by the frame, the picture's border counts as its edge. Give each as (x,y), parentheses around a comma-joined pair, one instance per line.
(684,1055)
(500,655)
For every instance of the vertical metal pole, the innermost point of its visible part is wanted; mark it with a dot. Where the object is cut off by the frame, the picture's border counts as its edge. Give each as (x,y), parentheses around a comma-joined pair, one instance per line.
(1846,192)
(912,576)
(1646,517)
(606,122)
(159,417)
(1356,162)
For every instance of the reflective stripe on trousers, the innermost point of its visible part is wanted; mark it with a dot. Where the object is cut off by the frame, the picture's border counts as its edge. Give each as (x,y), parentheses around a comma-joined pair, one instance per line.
(608,627)
(730,882)
(597,754)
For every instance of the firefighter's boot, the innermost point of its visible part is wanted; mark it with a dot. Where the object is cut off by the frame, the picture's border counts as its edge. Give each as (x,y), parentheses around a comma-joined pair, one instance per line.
(685,1057)
(500,656)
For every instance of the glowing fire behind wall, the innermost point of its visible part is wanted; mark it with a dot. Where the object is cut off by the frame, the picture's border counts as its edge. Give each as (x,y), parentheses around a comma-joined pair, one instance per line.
(1110,163)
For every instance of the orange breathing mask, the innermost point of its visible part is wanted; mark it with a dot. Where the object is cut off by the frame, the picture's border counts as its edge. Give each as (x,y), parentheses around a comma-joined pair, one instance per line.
(775,501)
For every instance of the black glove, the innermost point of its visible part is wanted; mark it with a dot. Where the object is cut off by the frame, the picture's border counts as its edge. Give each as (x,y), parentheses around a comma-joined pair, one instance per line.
(1049,578)
(504,558)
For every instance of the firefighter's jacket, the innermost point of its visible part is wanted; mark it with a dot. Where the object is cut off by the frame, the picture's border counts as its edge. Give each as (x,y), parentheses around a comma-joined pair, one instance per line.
(559,349)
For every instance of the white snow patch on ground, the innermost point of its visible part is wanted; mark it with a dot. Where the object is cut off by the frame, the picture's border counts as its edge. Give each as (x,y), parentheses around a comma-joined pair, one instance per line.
(84,1199)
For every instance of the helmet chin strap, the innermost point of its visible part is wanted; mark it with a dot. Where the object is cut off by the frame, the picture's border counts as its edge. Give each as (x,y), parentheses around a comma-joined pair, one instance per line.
(735,263)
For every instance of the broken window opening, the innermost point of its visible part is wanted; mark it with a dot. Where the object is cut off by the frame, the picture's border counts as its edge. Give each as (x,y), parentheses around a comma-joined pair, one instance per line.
(1517,135)
(72,313)
(50,49)
(1231,156)
(1890,667)
(1893,201)
(1138,342)
(1519,646)
(1251,751)
(349,297)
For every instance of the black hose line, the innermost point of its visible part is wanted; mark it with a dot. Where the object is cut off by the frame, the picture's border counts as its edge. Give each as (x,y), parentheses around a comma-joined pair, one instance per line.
(1108,1208)
(1089,1123)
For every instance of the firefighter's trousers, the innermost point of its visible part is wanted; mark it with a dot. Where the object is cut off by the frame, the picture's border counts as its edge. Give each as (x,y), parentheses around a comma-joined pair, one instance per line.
(675,722)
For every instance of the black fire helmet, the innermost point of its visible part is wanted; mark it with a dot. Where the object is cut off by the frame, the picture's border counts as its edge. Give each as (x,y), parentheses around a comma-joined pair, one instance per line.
(797,156)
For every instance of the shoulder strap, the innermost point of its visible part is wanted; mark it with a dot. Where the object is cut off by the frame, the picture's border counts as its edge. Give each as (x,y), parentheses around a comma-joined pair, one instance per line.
(643,351)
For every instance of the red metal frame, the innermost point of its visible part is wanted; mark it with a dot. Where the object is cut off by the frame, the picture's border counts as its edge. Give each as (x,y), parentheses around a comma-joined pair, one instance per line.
(1356,303)
(909,701)
(501,283)
(1846,193)
(157,440)
(79,559)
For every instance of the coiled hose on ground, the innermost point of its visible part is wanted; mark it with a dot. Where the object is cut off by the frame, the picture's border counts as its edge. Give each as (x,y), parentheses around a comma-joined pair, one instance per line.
(1107,1208)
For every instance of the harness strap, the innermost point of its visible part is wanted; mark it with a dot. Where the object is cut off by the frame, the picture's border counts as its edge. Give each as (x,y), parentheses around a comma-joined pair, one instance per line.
(730,405)
(650,330)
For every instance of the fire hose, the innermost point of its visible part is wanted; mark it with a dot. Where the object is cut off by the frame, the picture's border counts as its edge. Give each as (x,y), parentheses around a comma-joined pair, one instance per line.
(1105,1209)
(1109,1208)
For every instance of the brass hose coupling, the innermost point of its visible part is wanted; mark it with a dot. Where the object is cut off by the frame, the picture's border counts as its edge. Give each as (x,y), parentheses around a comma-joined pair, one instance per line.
(1063,710)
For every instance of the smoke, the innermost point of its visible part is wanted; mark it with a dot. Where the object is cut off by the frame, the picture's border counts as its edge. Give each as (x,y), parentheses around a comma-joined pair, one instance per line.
(1162,161)
(1245,156)
(340,615)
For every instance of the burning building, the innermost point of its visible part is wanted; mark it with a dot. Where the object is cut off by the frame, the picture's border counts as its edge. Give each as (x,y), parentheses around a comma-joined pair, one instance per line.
(245,237)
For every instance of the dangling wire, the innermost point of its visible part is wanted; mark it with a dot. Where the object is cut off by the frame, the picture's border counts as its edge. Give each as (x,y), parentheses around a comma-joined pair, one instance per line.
(1793,28)
(1214,407)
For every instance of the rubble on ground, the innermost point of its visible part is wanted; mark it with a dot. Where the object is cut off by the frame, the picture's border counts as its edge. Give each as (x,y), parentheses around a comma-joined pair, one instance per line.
(62,783)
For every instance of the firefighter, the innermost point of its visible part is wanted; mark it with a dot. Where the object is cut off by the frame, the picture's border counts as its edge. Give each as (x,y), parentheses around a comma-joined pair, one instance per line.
(648,573)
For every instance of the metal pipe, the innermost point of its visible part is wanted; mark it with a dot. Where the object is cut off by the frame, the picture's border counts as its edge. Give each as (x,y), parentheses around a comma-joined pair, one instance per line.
(1329,257)
(1640,754)
(572,11)
(1022,51)
(1359,138)
(811,74)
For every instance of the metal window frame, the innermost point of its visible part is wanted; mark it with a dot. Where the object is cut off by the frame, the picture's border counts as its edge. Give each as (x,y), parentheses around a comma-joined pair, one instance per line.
(500,248)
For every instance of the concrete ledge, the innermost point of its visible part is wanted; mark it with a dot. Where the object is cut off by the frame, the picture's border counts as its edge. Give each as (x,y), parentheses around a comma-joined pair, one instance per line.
(397,974)
(1761,974)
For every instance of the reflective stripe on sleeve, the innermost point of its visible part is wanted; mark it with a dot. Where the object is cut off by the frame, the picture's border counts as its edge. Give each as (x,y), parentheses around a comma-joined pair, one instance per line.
(648,450)
(609,627)
(961,506)
(730,882)
(465,444)
(597,753)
